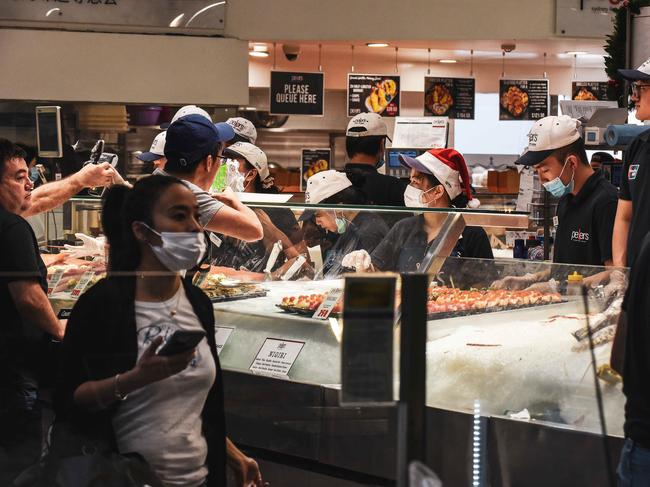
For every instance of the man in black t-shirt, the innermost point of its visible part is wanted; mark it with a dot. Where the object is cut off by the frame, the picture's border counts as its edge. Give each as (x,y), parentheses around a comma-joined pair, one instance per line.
(26,314)
(632,215)
(630,359)
(365,144)
(585,214)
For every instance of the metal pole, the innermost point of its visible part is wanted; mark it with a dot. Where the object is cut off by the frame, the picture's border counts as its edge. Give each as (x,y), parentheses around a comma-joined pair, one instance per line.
(411,424)
(628,47)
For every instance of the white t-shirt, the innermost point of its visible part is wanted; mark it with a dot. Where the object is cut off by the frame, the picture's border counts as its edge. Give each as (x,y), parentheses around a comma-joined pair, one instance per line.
(162,421)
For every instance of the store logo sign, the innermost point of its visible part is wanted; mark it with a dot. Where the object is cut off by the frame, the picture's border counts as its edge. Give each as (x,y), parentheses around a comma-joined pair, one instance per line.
(579,236)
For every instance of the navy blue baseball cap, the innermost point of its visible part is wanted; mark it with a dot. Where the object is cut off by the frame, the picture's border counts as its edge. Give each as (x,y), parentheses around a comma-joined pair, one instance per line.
(191,138)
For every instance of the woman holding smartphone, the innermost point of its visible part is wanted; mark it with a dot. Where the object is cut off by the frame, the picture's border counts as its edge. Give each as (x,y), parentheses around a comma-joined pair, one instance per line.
(115,391)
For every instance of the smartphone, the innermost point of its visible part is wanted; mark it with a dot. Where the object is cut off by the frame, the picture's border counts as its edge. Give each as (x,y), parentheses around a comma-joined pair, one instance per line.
(181,341)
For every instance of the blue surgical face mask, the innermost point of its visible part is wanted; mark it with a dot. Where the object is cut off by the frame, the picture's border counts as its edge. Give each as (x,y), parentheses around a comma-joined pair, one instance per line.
(557,188)
(380,162)
(33,174)
(341,224)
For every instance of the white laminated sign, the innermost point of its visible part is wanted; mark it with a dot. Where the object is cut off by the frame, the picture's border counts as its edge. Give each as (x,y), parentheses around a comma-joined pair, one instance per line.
(221,335)
(276,357)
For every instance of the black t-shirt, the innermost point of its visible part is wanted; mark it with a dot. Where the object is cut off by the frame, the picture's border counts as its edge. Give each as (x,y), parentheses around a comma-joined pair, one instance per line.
(636,367)
(635,187)
(406,245)
(364,232)
(20,343)
(586,223)
(379,189)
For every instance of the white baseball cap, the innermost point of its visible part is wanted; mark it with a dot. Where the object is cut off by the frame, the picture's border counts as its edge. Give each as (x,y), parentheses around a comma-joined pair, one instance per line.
(244,128)
(324,184)
(640,73)
(367,124)
(253,154)
(184,111)
(157,150)
(546,136)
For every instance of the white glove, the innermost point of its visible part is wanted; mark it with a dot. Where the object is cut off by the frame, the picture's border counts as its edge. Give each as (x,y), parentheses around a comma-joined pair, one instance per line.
(358,260)
(90,247)
(617,284)
(514,283)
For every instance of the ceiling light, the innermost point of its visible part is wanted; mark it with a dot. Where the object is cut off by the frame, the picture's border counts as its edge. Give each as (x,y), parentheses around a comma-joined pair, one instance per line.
(448,61)
(259,47)
(377,44)
(177,20)
(575,53)
(258,53)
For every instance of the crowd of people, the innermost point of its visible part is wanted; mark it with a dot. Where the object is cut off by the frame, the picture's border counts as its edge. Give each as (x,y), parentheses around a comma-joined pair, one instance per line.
(117,392)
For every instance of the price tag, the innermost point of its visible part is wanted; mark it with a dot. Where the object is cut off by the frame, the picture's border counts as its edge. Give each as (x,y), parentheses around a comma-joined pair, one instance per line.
(325,309)
(556,221)
(64,313)
(276,357)
(86,277)
(221,336)
(53,281)
(215,240)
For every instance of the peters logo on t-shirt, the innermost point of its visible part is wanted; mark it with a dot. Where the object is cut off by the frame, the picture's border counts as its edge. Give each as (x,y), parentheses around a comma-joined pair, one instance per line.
(632,172)
(579,236)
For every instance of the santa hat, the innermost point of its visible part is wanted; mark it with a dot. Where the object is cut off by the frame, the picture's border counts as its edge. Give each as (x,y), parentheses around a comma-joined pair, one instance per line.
(449,167)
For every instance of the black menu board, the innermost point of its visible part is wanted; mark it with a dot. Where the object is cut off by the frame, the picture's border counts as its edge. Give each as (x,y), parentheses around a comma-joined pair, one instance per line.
(589,90)
(296,93)
(313,161)
(523,99)
(449,97)
(375,93)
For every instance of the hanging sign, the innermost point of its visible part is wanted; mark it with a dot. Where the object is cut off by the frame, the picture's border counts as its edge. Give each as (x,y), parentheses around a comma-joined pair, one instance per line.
(313,161)
(297,93)
(449,97)
(523,99)
(374,93)
(589,90)
(276,357)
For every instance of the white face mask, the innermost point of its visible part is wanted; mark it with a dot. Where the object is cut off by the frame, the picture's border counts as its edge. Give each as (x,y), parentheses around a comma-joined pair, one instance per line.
(413,197)
(180,251)
(234,179)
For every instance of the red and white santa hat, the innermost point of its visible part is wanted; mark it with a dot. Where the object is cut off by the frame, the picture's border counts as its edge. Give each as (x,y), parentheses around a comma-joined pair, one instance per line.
(449,167)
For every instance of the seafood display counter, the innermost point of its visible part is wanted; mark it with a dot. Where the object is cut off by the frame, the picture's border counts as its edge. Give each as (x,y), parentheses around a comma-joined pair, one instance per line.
(517,375)
(510,376)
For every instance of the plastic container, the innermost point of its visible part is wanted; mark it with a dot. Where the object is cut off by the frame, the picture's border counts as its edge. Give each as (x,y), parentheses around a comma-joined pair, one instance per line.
(519,251)
(144,115)
(574,284)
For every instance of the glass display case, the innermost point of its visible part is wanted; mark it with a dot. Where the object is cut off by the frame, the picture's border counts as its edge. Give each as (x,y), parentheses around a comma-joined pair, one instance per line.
(510,343)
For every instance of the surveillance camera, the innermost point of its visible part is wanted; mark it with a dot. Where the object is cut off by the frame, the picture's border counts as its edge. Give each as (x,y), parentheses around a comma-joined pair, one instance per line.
(291,52)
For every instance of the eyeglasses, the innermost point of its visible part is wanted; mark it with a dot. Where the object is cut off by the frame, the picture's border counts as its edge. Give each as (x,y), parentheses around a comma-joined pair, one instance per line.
(637,88)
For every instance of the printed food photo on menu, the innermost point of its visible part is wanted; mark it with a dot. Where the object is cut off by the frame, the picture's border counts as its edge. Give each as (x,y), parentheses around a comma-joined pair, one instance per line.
(515,101)
(439,100)
(381,96)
